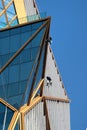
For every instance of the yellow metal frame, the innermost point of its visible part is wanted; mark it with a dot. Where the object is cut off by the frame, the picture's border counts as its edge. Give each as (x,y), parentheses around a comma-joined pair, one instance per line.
(57,99)
(6,7)
(19,115)
(14,120)
(3,12)
(15,116)
(37,88)
(7,104)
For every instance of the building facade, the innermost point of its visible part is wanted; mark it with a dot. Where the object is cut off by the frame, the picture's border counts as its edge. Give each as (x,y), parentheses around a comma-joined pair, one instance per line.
(32,94)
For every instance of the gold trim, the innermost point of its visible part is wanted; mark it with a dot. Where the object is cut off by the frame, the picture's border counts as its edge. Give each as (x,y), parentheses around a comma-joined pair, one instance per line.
(32,104)
(13,120)
(57,99)
(37,88)
(6,7)
(7,104)
(24,109)
(20,9)
(5,12)
(13,19)
(22,119)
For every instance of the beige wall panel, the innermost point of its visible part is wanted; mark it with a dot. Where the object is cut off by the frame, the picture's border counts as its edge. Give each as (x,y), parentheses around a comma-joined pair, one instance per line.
(20,9)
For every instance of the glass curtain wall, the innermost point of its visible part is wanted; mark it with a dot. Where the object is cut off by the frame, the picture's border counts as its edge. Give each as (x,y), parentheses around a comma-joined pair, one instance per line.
(13,80)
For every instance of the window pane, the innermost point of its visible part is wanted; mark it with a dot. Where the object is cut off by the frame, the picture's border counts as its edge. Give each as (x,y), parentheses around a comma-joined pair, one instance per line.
(14,73)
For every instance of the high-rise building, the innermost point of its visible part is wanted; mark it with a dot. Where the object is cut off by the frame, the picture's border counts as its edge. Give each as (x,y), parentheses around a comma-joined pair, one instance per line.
(32,94)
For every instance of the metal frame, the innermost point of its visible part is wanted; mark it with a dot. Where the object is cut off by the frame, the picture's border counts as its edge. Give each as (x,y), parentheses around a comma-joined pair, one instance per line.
(24,109)
(14,120)
(16,114)
(20,13)
(39,58)
(3,12)
(5,7)
(19,115)
(7,104)
(57,99)
(37,88)
(22,48)
(46,36)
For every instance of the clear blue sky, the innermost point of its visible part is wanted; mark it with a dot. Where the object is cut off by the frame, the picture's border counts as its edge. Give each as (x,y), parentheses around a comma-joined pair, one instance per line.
(69,33)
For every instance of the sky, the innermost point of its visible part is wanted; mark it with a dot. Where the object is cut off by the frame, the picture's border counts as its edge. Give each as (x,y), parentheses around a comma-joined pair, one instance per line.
(69,35)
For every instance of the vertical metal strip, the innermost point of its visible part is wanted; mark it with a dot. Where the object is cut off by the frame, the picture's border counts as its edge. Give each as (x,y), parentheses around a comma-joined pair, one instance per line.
(35,75)
(22,122)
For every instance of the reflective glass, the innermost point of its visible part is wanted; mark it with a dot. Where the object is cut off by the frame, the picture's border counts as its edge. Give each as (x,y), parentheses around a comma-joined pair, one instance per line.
(6,1)
(17,126)
(33,17)
(6,115)
(9,15)
(13,23)
(1,7)
(36,16)
(11,9)
(34,52)
(10,12)
(2,21)
(14,79)
(40,69)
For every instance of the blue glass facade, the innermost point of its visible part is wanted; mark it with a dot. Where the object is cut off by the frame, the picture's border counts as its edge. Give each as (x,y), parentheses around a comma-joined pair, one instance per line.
(14,79)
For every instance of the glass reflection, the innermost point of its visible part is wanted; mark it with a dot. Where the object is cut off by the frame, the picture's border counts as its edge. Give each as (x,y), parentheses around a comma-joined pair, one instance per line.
(14,79)
(5,116)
